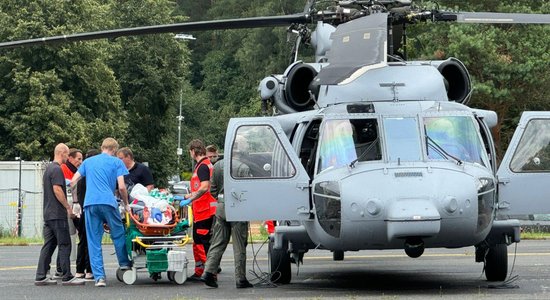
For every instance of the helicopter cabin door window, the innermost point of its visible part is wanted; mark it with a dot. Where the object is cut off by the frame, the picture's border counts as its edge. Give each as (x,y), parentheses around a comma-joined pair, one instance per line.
(257,152)
(344,141)
(402,139)
(533,151)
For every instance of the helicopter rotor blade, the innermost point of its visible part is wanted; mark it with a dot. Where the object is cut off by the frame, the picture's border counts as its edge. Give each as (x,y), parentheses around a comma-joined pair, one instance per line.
(496,18)
(166,28)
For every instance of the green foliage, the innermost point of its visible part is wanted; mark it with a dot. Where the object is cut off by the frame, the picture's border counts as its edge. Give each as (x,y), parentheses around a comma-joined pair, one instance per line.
(508,63)
(130,88)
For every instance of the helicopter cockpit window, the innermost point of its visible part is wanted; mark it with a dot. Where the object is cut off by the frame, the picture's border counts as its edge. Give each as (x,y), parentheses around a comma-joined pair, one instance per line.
(456,136)
(347,140)
(533,151)
(257,152)
(402,139)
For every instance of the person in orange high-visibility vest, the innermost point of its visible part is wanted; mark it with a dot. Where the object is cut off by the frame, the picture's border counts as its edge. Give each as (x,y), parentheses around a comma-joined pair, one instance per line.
(203,205)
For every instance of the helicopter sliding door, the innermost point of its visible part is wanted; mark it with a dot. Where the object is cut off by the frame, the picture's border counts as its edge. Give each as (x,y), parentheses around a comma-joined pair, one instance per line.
(524,174)
(263,176)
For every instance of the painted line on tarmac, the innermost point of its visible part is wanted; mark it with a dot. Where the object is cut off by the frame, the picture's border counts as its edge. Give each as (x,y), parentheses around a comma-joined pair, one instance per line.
(326,258)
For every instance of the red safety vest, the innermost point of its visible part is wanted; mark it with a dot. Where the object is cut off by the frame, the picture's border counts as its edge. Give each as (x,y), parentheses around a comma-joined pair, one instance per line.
(203,207)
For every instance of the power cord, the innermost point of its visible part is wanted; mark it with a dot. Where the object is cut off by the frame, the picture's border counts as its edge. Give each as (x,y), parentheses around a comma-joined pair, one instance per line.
(263,278)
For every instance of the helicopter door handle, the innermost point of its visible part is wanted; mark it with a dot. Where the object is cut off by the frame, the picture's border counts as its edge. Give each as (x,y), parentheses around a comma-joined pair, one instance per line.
(302,185)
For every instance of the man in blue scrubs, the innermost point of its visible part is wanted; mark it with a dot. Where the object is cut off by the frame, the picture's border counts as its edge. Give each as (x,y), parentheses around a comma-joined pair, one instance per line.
(102,173)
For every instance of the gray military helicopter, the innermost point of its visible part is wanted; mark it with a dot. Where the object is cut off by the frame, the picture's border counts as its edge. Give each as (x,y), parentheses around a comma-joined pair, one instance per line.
(366,150)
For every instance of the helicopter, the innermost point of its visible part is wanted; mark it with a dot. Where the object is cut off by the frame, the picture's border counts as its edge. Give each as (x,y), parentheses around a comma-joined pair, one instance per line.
(368,150)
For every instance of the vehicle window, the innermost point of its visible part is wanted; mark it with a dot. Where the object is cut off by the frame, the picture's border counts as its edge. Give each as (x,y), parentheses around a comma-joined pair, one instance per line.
(457,136)
(257,152)
(344,141)
(533,151)
(402,139)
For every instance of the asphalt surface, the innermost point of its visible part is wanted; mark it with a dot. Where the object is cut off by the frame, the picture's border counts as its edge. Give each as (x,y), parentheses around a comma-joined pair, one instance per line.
(439,273)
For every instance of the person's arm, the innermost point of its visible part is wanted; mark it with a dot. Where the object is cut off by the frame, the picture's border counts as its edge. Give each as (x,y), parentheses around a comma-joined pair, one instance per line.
(203,188)
(123,192)
(72,186)
(204,176)
(60,196)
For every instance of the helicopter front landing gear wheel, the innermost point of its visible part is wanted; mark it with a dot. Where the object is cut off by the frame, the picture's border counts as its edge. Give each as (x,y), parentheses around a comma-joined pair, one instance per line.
(279,264)
(496,263)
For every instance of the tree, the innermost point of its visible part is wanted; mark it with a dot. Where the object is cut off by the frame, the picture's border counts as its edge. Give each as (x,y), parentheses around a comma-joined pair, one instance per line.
(51,94)
(508,63)
(151,71)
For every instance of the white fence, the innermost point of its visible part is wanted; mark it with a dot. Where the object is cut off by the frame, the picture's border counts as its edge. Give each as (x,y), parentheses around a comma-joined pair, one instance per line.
(31,197)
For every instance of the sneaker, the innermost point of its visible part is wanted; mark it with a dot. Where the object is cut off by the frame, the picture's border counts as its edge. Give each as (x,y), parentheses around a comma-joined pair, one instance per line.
(79,275)
(57,275)
(125,268)
(89,277)
(101,283)
(74,281)
(45,281)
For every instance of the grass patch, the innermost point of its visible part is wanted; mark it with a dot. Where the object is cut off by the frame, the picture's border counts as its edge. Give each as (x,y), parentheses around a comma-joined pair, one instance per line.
(20,241)
(529,235)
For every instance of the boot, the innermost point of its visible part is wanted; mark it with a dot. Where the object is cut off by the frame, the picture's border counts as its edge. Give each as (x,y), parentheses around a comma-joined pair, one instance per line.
(243,284)
(209,279)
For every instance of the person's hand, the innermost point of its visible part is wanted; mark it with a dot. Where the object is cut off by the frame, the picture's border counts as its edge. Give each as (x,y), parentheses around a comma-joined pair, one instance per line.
(179,198)
(185,202)
(77,210)
(127,208)
(70,213)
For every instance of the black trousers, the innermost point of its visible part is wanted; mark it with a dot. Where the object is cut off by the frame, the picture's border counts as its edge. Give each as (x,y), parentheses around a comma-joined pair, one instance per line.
(82,257)
(56,234)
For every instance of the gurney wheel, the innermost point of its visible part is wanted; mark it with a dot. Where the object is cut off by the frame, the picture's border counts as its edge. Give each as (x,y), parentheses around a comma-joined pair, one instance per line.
(129,277)
(119,274)
(177,277)
(170,275)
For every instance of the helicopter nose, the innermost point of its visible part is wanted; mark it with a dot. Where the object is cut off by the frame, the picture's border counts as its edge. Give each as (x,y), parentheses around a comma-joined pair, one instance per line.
(412,218)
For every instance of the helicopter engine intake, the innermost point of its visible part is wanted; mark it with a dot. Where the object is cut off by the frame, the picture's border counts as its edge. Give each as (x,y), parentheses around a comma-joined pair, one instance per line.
(457,80)
(298,94)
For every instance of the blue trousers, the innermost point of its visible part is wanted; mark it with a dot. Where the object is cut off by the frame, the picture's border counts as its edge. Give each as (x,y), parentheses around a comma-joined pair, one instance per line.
(96,215)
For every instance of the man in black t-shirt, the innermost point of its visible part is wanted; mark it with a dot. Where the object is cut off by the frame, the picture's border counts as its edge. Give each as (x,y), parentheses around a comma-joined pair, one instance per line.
(139,173)
(56,226)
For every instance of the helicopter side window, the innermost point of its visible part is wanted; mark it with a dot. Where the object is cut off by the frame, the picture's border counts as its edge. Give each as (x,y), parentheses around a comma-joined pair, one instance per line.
(309,146)
(336,148)
(365,138)
(257,152)
(533,151)
(456,136)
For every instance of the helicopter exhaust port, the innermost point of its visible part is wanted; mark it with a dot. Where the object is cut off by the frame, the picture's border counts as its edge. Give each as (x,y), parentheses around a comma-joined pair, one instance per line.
(414,247)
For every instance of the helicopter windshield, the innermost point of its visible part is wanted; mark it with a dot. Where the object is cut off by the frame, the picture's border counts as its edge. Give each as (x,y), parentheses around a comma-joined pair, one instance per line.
(457,136)
(347,140)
